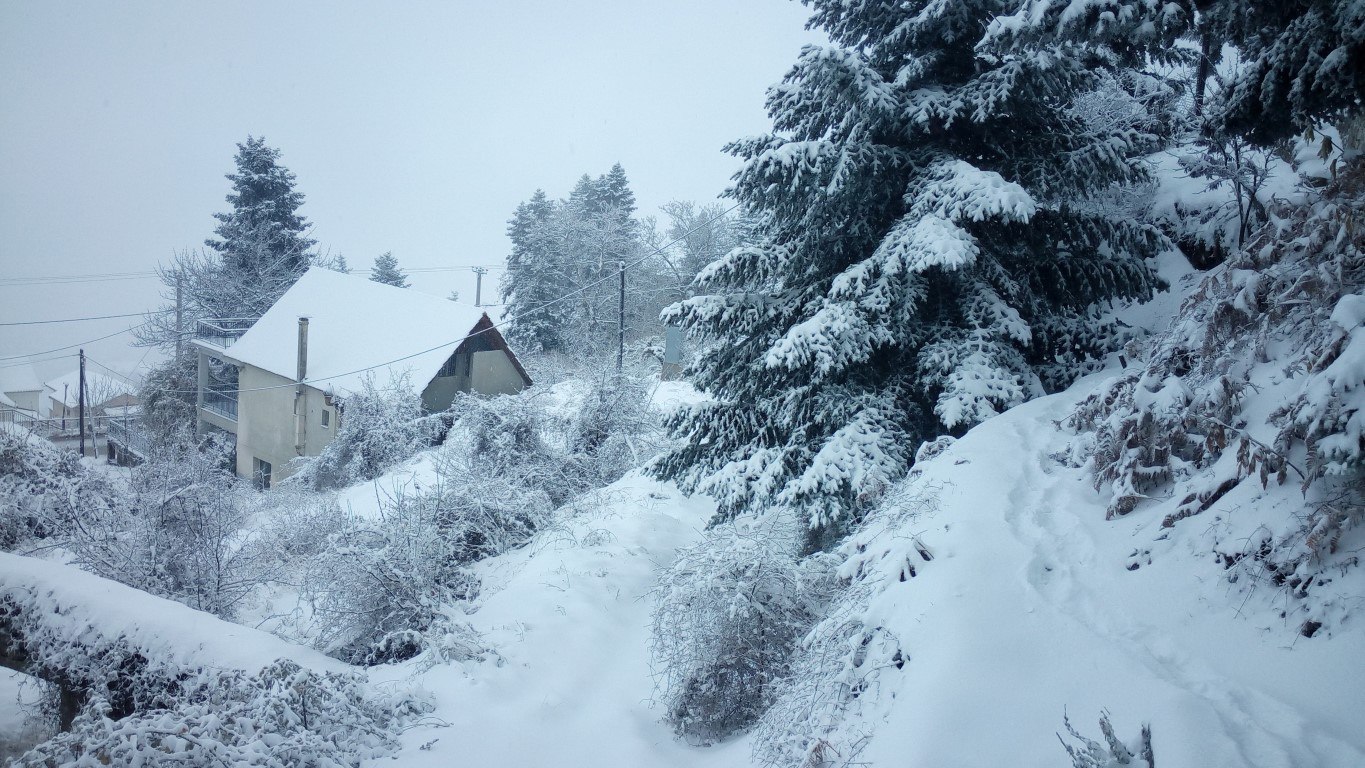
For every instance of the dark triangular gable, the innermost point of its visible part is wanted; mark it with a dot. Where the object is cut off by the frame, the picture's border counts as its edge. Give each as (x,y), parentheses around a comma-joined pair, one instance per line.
(485,337)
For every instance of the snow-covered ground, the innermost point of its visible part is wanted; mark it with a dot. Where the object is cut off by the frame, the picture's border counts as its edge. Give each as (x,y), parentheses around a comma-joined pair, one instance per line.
(1029,609)
(568,617)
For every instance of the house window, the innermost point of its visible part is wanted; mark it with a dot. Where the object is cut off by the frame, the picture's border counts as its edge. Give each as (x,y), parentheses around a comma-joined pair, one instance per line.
(260,472)
(326,419)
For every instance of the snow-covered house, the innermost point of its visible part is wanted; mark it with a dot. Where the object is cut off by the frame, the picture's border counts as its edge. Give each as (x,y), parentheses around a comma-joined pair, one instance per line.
(280,386)
(106,394)
(23,396)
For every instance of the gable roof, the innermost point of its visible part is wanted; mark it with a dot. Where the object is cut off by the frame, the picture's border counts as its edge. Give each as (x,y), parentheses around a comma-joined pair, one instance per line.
(355,323)
(20,378)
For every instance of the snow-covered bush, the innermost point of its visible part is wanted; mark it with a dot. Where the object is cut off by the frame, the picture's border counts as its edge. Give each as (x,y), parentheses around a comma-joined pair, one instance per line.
(614,430)
(284,716)
(175,528)
(1113,753)
(44,492)
(382,589)
(379,427)
(728,614)
(1259,380)
(815,719)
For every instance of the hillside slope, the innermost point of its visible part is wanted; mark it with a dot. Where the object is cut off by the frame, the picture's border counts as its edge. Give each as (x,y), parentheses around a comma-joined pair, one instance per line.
(1025,605)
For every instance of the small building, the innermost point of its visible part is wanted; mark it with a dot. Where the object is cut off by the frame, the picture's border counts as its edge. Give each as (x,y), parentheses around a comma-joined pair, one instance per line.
(106,394)
(25,396)
(278,384)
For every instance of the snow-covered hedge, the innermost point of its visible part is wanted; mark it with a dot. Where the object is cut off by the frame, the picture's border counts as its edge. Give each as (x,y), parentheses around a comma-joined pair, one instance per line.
(161,684)
(283,716)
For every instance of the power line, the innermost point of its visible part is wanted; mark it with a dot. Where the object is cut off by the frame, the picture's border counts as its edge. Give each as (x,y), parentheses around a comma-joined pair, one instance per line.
(82,319)
(18,282)
(35,362)
(74,346)
(492,326)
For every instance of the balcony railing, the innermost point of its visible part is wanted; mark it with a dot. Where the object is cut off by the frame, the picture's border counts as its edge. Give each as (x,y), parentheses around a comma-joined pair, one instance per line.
(130,436)
(222,331)
(222,402)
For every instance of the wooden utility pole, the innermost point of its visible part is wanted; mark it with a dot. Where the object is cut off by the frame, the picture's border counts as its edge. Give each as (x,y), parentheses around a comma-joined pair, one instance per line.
(478,285)
(80,398)
(621,320)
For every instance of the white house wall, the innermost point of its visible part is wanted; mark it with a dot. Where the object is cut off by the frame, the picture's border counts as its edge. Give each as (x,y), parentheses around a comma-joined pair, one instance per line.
(493,374)
(265,423)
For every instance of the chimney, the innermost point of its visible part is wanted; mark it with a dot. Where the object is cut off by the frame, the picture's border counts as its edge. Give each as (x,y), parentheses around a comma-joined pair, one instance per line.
(303,351)
(300,402)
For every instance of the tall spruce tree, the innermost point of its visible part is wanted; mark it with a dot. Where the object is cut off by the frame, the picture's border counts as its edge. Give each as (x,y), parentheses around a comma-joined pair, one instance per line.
(561,282)
(263,231)
(261,250)
(535,277)
(928,254)
(386,271)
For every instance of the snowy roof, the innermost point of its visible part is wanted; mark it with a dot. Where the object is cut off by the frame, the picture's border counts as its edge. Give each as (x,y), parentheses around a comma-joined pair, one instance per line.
(355,323)
(6,402)
(101,386)
(20,378)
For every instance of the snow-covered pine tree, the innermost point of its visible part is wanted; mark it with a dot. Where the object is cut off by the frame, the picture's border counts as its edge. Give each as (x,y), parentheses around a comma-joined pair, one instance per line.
(262,250)
(535,276)
(386,271)
(264,228)
(1302,61)
(926,252)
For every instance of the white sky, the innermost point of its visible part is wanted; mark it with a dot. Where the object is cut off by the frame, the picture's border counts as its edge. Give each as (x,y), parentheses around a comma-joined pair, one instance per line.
(411,127)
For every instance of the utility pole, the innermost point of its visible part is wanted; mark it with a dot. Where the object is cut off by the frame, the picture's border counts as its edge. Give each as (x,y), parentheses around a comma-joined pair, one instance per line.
(621,320)
(80,395)
(179,314)
(478,285)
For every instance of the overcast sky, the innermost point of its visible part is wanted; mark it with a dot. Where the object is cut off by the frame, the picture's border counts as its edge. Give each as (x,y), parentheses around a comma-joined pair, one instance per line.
(411,127)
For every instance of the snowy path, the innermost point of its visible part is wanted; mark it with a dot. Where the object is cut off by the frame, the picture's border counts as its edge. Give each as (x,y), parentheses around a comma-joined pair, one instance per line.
(570,618)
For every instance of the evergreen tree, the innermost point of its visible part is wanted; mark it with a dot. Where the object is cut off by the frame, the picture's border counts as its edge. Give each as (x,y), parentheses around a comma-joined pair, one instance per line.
(928,252)
(561,282)
(263,231)
(1302,61)
(261,251)
(535,276)
(386,271)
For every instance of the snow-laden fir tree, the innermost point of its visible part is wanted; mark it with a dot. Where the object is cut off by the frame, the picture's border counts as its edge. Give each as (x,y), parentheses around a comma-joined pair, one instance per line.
(561,285)
(261,250)
(264,230)
(386,271)
(928,255)
(1301,61)
(534,278)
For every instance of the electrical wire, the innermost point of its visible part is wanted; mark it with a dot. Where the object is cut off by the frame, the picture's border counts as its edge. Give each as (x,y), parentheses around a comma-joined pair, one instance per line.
(83,319)
(74,346)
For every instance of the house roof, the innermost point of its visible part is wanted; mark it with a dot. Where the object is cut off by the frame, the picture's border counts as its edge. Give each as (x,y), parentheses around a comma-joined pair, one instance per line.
(104,386)
(5,402)
(20,378)
(357,328)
